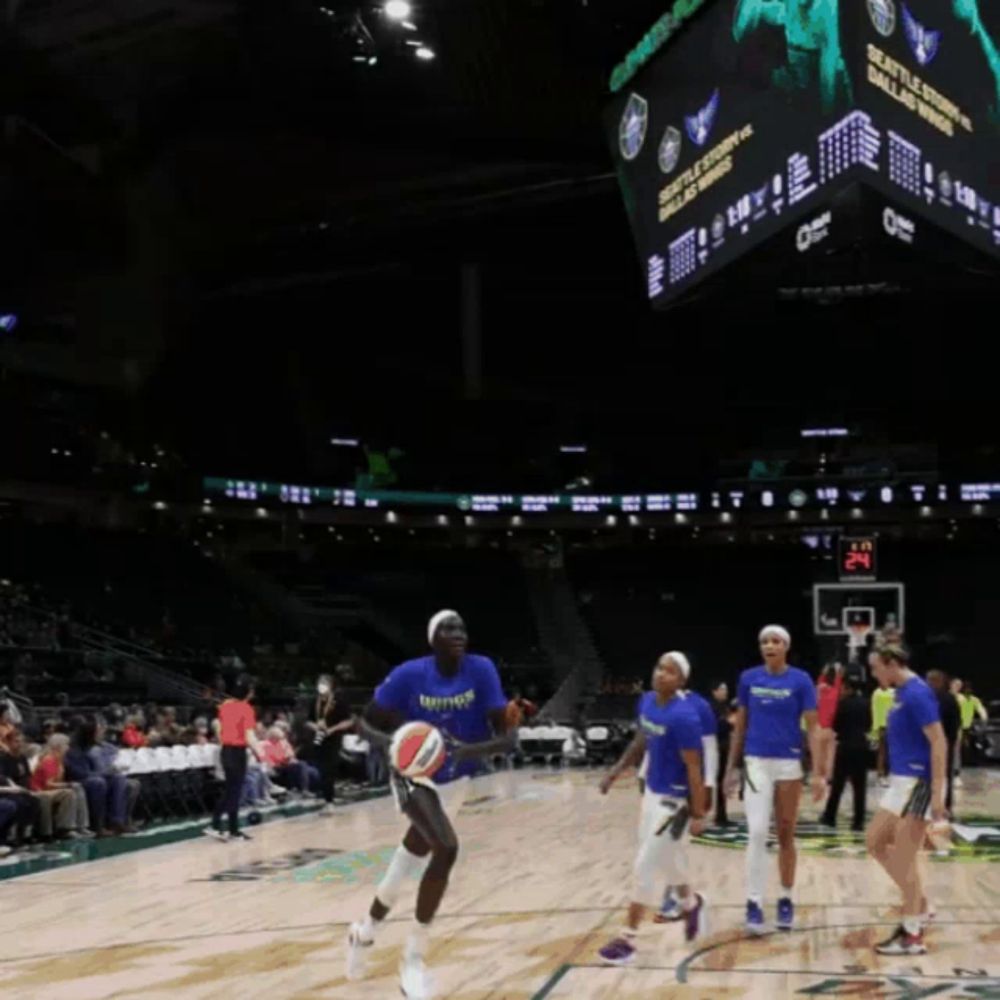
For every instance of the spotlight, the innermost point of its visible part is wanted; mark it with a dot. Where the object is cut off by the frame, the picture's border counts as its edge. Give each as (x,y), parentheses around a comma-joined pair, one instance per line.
(397,10)
(425,53)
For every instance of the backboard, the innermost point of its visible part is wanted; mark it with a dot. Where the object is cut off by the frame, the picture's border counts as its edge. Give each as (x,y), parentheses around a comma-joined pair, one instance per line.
(838,606)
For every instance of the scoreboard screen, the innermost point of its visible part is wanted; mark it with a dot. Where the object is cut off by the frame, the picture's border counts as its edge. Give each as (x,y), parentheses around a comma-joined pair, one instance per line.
(740,120)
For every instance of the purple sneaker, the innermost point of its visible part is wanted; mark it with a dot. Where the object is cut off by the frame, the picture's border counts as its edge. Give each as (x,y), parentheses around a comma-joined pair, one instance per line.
(696,919)
(621,951)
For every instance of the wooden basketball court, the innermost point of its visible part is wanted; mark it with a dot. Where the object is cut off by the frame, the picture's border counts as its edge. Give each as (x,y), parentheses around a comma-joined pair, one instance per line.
(544,874)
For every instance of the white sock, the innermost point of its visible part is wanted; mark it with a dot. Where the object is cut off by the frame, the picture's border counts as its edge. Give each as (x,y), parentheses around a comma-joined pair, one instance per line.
(690,901)
(368,928)
(630,934)
(788,892)
(416,944)
(912,925)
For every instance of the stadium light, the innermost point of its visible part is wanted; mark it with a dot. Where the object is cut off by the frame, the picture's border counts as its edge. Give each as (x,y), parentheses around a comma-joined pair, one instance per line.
(425,53)
(398,10)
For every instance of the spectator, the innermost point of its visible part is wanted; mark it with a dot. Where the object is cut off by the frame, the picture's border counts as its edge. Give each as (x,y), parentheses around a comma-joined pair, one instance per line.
(851,724)
(286,768)
(133,736)
(827,699)
(720,705)
(26,807)
(6,721)
(951,722)
(332,719)
(106,795)
(50,775)
(104,756)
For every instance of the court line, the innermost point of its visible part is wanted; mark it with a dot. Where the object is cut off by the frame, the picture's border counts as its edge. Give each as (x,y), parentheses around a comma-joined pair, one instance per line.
(686,965)
(462,915)
(553,981)
(838,973)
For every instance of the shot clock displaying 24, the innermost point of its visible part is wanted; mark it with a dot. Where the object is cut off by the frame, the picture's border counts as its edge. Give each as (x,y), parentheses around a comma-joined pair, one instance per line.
(858,558)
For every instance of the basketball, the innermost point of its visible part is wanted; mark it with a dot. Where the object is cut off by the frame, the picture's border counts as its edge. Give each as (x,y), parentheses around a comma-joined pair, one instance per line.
(417,750)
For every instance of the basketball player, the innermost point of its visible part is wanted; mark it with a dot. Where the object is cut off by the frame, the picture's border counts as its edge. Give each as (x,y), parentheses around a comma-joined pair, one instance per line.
(460,694)
(708,723)
(674,795)
(774,699)
(918,760)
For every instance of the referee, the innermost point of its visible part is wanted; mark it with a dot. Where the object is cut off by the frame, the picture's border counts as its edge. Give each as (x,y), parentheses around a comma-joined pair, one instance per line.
(235,728)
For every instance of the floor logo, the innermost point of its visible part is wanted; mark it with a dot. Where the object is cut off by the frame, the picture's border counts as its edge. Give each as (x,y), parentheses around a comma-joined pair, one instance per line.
(976,839)
(259,870)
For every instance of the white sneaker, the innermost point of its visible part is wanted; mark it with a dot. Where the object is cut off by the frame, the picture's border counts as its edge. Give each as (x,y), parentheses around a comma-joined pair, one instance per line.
(328,810)
(357,953)
(221,835)
(413,978)
(5,850)
(959,783)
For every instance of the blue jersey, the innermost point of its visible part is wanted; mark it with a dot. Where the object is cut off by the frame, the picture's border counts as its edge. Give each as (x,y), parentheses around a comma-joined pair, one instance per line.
(669,729)
(706,717)
(774,704)
(458,705)
(909,749)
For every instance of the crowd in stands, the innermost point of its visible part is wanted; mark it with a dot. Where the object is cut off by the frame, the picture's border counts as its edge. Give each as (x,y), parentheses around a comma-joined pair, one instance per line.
(70,776)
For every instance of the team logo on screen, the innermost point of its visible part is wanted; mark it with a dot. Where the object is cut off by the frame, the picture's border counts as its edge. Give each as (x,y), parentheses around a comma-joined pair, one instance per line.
(670,149)
(632,130)
(883,16)
(699,125)
(923,41)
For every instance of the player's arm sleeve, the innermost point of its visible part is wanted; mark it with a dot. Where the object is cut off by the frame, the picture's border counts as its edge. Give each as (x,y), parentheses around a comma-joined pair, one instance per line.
(926,709)
(807,695)
(710,759)
(491,689)
(688,733)
(743,691)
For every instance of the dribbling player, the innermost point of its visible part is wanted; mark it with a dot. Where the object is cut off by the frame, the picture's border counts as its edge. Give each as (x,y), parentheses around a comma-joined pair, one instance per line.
(673,804)
(460,694)
(918,762)
(773,700)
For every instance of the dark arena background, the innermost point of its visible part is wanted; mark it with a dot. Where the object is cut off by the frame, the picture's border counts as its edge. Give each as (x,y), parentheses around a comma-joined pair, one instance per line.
(617,328)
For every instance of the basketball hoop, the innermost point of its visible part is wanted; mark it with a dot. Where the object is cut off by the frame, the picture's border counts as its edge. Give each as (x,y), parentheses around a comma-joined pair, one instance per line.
(858,623)
(857,637)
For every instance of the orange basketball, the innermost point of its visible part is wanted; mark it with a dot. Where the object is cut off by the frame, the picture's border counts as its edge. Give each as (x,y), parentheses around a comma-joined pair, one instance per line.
(417,750)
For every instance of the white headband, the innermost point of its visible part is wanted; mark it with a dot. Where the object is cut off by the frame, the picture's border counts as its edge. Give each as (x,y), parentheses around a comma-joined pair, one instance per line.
(683,665)
(435,623)
(781,633)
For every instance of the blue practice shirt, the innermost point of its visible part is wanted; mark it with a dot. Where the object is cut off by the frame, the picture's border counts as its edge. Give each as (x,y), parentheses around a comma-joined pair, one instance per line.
(774,704)
(458,705)
(915,706)
(669,729)
(707,719)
